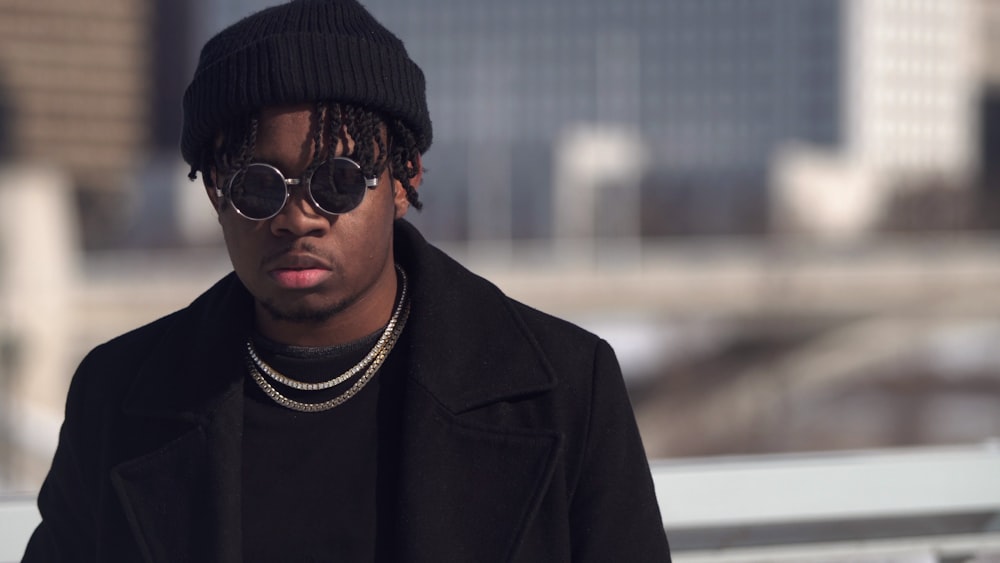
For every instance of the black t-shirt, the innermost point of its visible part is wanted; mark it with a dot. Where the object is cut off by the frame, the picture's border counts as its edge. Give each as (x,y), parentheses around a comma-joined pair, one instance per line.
(321,486)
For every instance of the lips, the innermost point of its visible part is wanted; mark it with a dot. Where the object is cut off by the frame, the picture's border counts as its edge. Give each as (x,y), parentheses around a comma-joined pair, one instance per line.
(298,270)
(299,279)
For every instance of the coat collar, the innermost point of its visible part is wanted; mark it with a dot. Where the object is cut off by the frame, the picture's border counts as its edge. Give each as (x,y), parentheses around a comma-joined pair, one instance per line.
(183,500)
(469,347)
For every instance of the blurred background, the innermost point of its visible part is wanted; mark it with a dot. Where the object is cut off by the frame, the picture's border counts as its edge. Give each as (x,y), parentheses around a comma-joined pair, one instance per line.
(783,214)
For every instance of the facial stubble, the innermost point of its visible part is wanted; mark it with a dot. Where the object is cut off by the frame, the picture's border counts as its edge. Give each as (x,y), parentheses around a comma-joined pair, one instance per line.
(302,313)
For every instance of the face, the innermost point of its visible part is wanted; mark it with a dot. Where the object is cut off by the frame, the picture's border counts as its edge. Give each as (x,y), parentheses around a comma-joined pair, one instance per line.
(317,279)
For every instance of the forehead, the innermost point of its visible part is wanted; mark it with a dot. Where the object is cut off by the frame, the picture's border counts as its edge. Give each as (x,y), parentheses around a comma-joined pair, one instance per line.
(285,130)
(286,120)
(285,133)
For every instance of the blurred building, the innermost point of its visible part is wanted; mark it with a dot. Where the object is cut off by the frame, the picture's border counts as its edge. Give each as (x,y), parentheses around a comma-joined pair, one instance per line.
(75,80)
(912,85)
(909,118)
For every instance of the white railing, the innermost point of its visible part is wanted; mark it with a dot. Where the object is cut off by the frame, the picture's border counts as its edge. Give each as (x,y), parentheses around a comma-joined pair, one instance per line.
(18,517)
(924,504)
(890,506)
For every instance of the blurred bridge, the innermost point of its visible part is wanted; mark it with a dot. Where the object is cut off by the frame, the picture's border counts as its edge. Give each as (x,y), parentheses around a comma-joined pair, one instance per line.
(885,288)
(918,276)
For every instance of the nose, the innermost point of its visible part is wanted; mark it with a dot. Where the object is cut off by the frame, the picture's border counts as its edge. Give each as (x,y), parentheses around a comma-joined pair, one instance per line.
(299,217)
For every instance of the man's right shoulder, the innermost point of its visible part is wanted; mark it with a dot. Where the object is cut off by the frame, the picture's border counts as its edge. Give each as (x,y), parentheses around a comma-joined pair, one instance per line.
(130,349)
(133,348)
(109,370)
(144,335)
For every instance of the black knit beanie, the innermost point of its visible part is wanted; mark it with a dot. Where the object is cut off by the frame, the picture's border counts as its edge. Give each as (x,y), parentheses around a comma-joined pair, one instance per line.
(298,52)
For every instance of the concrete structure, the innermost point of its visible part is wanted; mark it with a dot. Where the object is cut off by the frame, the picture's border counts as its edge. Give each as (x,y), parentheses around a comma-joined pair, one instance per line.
(596,189)
(40,261)
(825,193)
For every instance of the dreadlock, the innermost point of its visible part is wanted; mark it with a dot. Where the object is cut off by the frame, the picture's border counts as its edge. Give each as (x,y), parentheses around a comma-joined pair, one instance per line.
(334,123)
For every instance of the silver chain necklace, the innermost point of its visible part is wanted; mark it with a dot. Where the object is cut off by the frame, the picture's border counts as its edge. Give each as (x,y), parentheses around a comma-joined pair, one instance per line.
(370,364)
(277,376)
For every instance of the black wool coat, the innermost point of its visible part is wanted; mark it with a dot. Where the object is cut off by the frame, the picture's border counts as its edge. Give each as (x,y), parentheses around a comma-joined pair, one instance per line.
(518,440)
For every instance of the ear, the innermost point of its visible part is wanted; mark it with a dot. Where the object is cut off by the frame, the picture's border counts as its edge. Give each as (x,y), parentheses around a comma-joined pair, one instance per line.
(399,194)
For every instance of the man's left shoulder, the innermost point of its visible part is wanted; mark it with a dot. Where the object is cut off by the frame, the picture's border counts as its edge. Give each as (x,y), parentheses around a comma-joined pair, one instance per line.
(541,321)
(559,339)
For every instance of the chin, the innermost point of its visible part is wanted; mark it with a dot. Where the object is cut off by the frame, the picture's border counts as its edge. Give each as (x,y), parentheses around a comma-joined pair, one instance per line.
(302,311)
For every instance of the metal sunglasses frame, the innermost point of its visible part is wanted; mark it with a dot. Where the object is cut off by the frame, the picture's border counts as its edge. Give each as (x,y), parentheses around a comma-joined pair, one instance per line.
(305,180)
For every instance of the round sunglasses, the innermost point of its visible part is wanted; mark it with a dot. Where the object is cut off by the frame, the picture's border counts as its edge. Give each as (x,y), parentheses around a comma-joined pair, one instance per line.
(260,191)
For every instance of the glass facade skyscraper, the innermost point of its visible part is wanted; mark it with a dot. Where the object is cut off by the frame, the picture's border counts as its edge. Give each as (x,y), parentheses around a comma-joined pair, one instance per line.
(713,88)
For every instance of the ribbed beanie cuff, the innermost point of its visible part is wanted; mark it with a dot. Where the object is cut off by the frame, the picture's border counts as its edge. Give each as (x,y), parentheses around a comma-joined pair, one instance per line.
(298,52)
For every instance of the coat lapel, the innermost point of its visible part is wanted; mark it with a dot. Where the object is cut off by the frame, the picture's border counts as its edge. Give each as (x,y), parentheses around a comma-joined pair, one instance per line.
(182,498)
(471,479)
(468,491)
(182,501)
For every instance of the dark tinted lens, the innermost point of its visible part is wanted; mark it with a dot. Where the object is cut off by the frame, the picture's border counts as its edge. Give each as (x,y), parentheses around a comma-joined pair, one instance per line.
(338,186)
(258,192)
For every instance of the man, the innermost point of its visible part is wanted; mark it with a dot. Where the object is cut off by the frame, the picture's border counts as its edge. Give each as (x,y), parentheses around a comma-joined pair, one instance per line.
(349,393)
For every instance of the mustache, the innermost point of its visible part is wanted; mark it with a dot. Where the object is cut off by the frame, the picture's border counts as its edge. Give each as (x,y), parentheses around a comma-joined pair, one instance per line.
(303,249)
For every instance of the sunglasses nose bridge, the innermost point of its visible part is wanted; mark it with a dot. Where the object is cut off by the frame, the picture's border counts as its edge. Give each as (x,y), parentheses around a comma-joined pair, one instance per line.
(290,194)
(304,195)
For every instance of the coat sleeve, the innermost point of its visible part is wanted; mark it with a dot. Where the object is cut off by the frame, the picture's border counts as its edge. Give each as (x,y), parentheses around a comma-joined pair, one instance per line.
(615,515)
(68,528)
